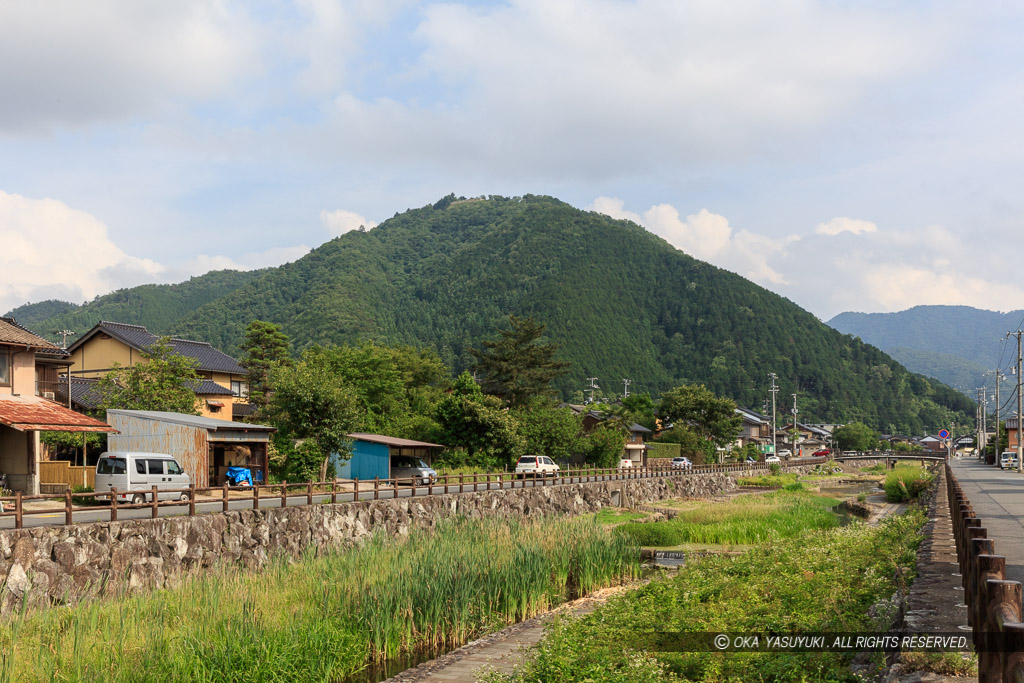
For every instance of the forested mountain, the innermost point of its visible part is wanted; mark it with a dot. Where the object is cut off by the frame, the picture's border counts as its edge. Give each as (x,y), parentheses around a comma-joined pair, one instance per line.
(959,345)
(621,303)
(156,307)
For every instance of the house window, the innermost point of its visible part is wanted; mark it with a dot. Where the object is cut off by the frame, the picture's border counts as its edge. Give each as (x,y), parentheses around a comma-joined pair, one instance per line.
(239,388)
(5,367)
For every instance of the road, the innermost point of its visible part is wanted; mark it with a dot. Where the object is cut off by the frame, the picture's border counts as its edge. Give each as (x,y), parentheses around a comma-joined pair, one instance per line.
(204,505)
(997,497)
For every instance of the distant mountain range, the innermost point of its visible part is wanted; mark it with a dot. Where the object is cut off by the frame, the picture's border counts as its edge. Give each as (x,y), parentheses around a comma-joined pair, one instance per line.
(620,302)
(958,345)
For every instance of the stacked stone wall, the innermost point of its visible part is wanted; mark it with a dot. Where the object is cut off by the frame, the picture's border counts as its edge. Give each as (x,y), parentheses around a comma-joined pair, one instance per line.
(65,564)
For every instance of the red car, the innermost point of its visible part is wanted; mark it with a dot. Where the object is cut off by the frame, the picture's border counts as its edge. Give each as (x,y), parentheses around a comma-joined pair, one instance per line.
(822,452)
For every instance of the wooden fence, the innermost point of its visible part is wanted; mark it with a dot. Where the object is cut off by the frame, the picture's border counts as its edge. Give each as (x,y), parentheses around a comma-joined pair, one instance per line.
(993,604)
(63,472)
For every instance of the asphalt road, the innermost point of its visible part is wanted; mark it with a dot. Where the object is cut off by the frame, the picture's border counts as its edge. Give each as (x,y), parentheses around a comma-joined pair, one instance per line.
(997,497)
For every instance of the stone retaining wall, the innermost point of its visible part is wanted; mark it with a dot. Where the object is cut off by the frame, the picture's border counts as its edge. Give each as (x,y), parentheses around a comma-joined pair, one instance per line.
(64,564)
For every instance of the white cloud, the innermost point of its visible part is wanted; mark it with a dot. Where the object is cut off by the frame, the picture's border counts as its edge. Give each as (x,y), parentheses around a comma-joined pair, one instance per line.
(340,221)
(844,264)
(66,62)
(842,224)
(204,263)
(54,250)
(707,236)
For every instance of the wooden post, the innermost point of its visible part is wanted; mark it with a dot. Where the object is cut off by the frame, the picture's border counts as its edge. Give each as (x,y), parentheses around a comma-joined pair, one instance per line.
(355,487)
(376,488)
(156,503)
(413,482)
(284,494)
(113,504)
(225,498)
(256,497)
(309,493)
(430,486)
(67,506)
(191,500)
(334,491)
(462,478)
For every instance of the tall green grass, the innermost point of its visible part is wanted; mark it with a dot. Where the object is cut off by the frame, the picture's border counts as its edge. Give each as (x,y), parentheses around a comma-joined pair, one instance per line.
(906,483)
(741,521)
(324,617)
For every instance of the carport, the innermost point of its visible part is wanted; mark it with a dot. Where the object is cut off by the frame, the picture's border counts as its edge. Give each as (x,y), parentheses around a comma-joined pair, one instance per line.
(372,455)
(21,420)
(205,447)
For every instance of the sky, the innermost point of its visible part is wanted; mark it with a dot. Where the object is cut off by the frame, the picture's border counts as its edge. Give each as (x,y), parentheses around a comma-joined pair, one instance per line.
(860,156)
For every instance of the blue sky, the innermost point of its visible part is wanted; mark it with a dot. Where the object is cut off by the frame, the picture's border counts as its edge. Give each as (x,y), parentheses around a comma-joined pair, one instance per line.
(850,156)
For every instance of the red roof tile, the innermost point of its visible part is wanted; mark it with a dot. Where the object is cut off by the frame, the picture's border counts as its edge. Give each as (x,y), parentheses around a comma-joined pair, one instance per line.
(26,413)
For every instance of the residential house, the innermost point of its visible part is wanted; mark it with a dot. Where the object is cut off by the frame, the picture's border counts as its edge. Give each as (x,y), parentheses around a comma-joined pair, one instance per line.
(29,390)
(221,392)
(933,444)
(755,429)
(636,448)
(808,438)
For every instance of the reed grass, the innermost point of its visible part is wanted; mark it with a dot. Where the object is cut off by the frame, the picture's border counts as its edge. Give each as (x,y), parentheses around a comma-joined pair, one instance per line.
(741,521)
(324,617)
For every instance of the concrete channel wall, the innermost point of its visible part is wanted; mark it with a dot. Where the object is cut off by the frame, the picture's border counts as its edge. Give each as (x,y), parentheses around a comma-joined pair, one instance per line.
(65,564)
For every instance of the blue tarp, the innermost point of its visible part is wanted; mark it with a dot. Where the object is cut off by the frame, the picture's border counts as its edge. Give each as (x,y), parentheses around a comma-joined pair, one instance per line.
(239,475)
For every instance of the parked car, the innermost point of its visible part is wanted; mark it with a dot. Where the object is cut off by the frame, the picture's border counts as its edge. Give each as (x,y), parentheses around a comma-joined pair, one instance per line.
(824,452)
(1008,460)
(681,463)
(770,459)
(135,474)
(410,468)
(625,464)
(536,466)
(785,453)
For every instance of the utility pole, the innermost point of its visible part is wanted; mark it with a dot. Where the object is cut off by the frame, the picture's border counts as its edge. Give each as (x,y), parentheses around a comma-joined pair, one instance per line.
(793,435)
(64,334)
(593,388)
(772,376)
(1020,399)
(998,376)
(984,416)
(625,387)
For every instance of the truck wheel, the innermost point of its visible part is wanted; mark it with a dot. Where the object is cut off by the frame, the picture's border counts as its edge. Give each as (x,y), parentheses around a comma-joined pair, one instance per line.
(138,499)
(183,497)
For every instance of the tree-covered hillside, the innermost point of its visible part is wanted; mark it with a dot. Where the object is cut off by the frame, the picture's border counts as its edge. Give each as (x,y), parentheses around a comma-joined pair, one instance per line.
(621,302)
(958,345)
(156,307)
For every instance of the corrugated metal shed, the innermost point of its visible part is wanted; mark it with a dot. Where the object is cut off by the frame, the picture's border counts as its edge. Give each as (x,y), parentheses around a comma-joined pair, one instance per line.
(193,440)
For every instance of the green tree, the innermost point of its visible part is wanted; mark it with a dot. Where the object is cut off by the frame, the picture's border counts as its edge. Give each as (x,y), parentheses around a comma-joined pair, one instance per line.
(691,444)
(162,380)
(486,434)
(314,410)
(549,430)
(712,418)
(265,348)
(518,365)
(638,408)
(855,436)
(606,444)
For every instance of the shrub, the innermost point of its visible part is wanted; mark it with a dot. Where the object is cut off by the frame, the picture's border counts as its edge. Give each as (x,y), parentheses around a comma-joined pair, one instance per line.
(775,468)
(82,500)
(906,483)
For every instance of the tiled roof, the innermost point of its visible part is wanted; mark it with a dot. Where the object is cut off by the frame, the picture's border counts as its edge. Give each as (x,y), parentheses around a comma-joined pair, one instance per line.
(239,410)
(84,392)
(138,337)
(30,413)
(13,333)
(207,387)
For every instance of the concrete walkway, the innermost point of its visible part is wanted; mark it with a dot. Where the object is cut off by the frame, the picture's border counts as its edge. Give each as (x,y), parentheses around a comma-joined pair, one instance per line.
(500,651)
(997,497)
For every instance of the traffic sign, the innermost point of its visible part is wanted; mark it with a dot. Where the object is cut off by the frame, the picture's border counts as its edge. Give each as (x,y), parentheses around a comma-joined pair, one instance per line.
(943,433)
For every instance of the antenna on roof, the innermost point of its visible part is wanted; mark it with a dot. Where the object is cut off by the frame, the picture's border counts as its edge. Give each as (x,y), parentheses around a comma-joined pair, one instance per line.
(64,334)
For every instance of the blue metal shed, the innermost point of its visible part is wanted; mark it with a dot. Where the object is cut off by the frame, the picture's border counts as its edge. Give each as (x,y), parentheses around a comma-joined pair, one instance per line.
(372,453)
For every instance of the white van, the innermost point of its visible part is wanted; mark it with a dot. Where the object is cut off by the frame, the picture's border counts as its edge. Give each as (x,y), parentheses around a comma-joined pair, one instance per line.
(1008,460)
(135,474)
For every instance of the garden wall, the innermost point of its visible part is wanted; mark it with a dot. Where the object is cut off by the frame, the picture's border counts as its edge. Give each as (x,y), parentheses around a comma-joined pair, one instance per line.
(64,564)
